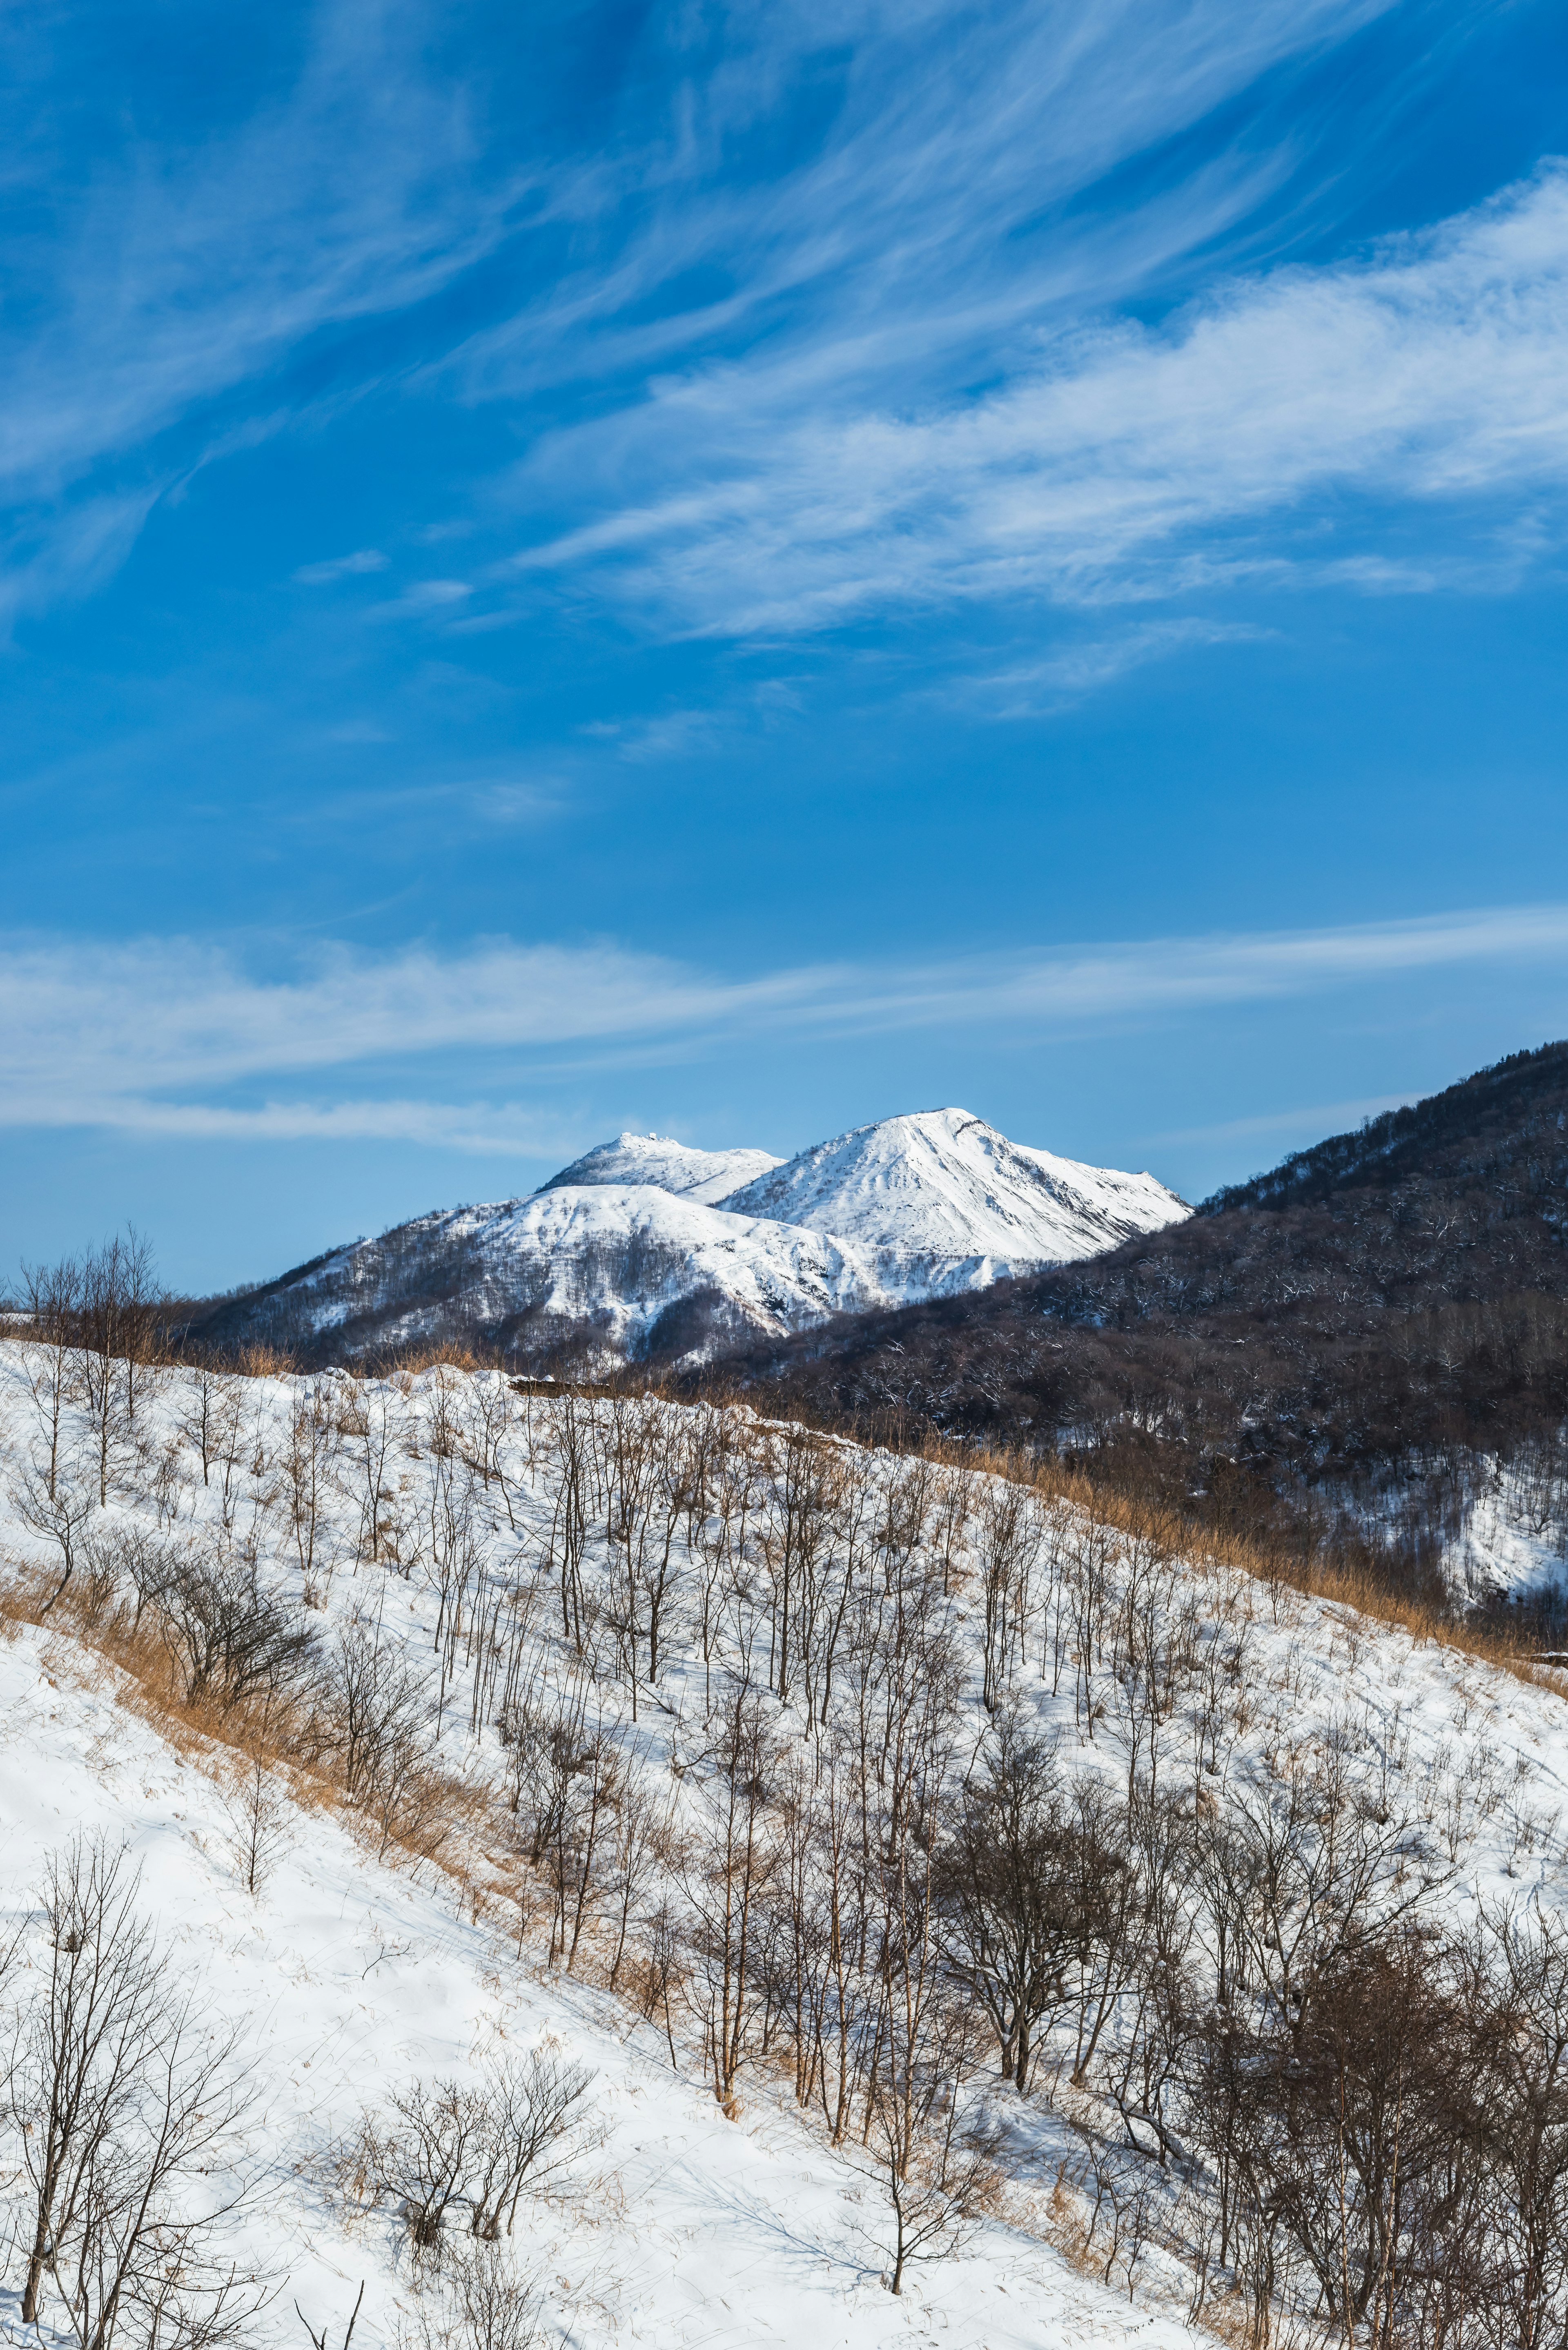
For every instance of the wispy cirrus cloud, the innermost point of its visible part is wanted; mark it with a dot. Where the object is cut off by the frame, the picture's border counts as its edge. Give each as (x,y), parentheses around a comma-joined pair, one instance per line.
(177,1038)
(1079,669)
(1125,461)
(922,225)
(779,337)
(167,277)
(341,566)
(1276,1126)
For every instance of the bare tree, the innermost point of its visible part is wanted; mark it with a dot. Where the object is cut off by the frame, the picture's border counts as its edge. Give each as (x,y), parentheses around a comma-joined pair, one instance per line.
(1519,1976)
(56,1502)
(306,1468)
(204,1388)
(1023,1878)
(81,2045)
(261,1821)
(939,2177)
(642,1848)
(115,1282)
(728,1863)
(137,2247)
(533,2113)
(51,1302)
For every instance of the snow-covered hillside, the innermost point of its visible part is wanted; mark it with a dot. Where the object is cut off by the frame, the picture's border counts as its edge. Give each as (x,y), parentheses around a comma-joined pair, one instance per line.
(646,1246)
(585,1681)
(638,1268)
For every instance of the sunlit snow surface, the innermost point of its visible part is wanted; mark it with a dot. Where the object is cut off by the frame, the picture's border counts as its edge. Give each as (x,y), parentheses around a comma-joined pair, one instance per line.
(943,1201)
(683,2229)
(701,1175)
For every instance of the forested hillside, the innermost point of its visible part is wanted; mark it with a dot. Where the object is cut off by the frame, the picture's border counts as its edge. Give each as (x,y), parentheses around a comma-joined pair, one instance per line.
(1353,1348)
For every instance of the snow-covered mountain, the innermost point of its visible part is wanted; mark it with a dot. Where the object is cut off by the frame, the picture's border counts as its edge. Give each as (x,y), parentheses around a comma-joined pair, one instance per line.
(649,1246)
(703,1175)
(621,1259)
(942,1202)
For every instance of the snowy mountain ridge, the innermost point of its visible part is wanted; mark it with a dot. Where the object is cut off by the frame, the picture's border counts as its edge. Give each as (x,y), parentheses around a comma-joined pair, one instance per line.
(706,1176)
(648,1246)
(942,1189)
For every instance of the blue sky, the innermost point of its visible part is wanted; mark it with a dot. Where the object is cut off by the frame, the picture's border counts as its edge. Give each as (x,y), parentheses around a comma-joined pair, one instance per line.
(737,570)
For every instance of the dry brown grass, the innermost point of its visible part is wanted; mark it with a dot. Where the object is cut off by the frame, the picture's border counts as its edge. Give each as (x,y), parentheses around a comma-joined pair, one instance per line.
(126,1662)
(1276,1565)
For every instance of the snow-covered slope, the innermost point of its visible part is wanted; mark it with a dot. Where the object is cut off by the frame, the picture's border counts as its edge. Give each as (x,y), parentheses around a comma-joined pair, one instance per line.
(646,1245)
(615,1257)
(944,1202)
(351,1979)
(689,1174)
(426,1518)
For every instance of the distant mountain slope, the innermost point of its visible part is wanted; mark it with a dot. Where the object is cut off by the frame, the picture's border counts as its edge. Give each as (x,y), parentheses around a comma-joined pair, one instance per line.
(1479,1127)
(626,1251)
(675,1167)
(631,1266)
(1366,1332)
(941,1192)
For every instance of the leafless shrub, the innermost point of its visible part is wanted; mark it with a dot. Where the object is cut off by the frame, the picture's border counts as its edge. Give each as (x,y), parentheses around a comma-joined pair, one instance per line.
(478,2302)
(375,1707)
(446,2145)
(535,2119)
(228,1636)
(430,2154)
(56,1501)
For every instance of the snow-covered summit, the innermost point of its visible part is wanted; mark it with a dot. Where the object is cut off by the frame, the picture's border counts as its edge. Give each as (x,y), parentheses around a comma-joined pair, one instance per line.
(677,1167)
(942,1185)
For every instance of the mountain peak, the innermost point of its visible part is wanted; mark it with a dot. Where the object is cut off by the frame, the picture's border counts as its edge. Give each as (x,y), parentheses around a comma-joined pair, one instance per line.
(668,1166)
(942,1184)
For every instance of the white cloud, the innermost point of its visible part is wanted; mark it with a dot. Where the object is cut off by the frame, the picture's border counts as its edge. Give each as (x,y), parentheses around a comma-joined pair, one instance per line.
(341,566)
(913,232)
(424,598)
(783,356)
(168,277)
(1083,668)
(668,734)
(1430,372)
(1321,1118)
(499,1129)
(159,1036)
